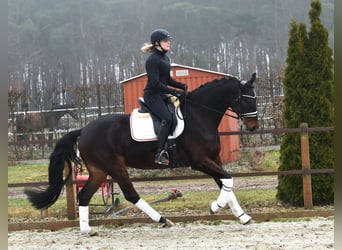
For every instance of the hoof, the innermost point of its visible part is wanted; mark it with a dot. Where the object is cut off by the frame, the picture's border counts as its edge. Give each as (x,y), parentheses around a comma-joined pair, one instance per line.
(249,222)
(211,212)
(213,208)
(168,223)
(92,232)
(245,219)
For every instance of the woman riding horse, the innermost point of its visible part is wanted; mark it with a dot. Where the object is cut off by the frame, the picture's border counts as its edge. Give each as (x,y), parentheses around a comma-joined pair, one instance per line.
(107,148)
(158,77)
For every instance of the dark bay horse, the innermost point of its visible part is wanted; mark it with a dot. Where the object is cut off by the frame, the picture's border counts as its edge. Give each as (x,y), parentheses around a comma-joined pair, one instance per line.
(38,121)
(107,148)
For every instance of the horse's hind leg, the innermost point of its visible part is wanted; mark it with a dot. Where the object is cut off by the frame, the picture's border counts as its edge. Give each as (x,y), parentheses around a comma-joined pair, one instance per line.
(96,178)
(126,186)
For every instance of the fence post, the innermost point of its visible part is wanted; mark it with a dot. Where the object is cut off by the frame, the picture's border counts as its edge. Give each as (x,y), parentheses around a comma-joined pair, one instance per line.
(305,154)
(70,195)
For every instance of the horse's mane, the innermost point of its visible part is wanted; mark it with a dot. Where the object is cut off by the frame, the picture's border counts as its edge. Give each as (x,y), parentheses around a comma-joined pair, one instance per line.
(205,86)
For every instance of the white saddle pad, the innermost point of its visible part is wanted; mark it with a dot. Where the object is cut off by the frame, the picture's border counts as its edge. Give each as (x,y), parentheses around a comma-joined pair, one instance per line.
(142,126)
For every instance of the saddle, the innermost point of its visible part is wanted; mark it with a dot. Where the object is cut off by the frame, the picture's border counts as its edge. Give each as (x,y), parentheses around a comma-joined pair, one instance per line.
(145,125)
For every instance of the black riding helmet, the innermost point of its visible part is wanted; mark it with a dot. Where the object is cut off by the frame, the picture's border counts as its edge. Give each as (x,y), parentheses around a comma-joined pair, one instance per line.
(158,35)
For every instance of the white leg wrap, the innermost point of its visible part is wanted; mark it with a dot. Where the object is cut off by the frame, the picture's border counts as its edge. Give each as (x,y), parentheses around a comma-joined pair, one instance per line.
(147,209)
(224,196)
(84,219)
(227,196)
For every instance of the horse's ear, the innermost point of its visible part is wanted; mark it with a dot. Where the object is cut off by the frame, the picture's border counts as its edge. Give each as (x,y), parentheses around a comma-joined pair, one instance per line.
(253,78)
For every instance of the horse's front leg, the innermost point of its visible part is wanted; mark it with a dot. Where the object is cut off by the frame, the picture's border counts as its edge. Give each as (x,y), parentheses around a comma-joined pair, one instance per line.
(226,196)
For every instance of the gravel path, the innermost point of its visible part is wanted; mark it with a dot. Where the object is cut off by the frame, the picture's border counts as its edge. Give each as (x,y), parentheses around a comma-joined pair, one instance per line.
(313,233)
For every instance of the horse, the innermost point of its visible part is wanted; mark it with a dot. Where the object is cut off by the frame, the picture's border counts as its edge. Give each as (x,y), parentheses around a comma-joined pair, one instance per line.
(106,148)
(37,122)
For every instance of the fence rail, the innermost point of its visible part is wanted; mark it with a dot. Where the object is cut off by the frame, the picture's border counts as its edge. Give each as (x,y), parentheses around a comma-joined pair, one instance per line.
(225,133)
(306,171)
(190,177)
(278,131)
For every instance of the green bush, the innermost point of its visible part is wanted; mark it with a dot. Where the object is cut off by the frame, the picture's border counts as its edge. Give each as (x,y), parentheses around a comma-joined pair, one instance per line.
(308,98)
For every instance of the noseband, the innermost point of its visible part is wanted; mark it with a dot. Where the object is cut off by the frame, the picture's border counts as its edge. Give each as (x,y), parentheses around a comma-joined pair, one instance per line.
(243,115)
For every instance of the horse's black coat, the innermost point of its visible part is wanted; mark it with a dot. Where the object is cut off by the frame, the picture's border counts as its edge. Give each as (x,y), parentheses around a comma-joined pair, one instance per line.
(107,148)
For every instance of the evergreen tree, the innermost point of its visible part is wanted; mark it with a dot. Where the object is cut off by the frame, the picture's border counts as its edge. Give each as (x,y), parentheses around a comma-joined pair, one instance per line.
(308,98)
(290,187)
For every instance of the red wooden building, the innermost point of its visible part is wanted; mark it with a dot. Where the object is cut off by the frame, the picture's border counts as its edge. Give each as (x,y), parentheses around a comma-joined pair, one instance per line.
(194,77)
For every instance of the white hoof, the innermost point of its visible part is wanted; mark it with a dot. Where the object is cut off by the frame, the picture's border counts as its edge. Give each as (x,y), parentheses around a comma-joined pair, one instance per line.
(245,219)
(214,207)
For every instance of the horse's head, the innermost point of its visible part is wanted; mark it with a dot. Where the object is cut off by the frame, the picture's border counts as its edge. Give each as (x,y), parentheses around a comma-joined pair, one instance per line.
(72,113)
(63,109)
(246,106)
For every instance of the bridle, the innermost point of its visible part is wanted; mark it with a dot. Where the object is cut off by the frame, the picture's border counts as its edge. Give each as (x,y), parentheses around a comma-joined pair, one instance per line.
(238,100)
(243,115)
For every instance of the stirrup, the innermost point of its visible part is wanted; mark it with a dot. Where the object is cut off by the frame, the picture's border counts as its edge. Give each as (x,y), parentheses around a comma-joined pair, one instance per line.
(162,158)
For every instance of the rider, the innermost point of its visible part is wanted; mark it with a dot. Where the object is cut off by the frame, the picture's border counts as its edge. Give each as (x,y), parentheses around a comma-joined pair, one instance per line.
(158,78)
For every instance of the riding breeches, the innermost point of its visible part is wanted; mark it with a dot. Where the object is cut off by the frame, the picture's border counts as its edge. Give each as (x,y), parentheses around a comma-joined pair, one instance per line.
(158,107)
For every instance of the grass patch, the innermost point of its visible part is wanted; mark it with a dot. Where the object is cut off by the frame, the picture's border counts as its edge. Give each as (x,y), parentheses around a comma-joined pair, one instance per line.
(27,173)
(200,201)
(249,160)
(259,160)
(191,203)
(20,209)
(291,219)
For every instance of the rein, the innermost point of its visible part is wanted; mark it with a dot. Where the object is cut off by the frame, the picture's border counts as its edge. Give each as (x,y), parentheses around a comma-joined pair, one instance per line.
(214,110)
(250,114)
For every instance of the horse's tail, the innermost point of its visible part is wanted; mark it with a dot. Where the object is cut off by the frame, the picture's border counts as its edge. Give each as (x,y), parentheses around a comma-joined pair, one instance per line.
(64,152)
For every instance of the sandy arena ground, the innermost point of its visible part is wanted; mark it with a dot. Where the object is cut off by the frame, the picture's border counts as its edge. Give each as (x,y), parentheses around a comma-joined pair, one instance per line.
(313,233)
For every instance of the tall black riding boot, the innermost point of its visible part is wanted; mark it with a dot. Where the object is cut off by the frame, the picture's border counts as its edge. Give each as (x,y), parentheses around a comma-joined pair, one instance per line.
(162,156)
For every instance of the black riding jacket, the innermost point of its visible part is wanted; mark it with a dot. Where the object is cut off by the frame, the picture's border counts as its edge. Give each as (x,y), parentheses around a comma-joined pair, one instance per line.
(158,74)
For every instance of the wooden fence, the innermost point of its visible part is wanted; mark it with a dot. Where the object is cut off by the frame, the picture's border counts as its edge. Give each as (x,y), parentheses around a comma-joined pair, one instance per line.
(305,170)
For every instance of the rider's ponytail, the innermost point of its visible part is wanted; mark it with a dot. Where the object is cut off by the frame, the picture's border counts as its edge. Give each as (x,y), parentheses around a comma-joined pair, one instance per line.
(148,47)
